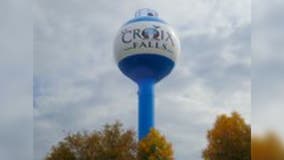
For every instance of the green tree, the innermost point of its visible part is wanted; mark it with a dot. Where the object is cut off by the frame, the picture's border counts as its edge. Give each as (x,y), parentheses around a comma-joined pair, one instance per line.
(155,147)
(112,143)
(229,139)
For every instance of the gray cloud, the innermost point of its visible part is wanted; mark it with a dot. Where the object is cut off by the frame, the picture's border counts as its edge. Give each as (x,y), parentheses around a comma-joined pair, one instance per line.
(15,82)
(268,73)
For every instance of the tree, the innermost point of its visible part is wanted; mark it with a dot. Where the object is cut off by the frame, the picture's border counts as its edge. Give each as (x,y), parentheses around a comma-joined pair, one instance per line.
(229,139)
(112,143)
(268,147)
(155,147)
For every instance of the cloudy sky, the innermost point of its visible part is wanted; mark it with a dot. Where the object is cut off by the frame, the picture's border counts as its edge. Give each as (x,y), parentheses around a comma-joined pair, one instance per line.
(77,85)
(16,71)
(268,67)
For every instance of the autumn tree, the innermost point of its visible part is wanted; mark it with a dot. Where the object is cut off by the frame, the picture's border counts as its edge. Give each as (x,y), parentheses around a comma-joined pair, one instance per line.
(111,143)
(229,139)
(155,147)
(268,147)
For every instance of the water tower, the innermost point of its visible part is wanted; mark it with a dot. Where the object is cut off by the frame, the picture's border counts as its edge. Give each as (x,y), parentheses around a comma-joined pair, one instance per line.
(146,49)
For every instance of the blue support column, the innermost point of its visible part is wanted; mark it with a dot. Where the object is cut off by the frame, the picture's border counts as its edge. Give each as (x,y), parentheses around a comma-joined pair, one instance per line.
(146,107)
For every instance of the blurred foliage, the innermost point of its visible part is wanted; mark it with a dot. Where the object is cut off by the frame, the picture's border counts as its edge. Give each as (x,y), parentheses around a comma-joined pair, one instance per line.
(112,143)
(155,147)
(268,147)
(229,139)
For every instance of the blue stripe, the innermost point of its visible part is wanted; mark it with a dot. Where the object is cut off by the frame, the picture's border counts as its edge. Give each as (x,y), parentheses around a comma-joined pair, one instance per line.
(145,18)
(141,66)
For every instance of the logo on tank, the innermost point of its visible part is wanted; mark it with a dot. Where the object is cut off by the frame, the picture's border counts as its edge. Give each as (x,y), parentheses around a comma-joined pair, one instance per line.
(148,37)
(151,33)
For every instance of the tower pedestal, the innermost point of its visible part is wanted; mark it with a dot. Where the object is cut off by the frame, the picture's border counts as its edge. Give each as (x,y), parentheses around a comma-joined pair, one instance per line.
(146,107)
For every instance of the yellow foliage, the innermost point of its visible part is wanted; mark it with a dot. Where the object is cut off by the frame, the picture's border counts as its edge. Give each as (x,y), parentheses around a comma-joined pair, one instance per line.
(229,139)
(155,147)
(268,147)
